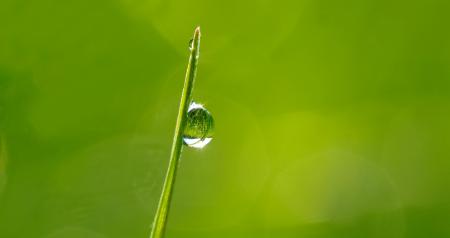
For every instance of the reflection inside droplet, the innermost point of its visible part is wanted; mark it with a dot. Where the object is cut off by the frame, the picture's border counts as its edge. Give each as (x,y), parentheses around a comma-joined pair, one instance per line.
(199,127)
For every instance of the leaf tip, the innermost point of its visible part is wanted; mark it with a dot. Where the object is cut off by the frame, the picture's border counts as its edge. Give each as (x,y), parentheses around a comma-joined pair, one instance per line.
(197,31)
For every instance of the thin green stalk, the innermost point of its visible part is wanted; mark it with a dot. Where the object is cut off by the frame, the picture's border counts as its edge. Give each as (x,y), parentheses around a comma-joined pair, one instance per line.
(159,224)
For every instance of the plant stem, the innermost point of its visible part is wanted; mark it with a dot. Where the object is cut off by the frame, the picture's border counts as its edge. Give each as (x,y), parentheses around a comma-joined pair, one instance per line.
(162,211)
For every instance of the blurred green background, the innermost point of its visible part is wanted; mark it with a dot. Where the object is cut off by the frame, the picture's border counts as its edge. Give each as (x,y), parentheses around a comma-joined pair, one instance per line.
(332,118)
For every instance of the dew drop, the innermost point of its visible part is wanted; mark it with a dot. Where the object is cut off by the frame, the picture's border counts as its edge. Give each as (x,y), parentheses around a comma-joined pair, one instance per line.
(199,127)
(191,44)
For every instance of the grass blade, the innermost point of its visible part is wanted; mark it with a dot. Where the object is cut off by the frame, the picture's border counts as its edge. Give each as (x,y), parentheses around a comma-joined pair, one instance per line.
(160,220)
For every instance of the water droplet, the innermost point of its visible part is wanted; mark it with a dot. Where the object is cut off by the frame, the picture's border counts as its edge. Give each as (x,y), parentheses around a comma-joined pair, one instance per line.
(199,127)
(191,44)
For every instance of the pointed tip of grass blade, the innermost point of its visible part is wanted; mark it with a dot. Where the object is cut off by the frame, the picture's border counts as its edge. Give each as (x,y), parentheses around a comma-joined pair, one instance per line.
(196,42)
(197,32)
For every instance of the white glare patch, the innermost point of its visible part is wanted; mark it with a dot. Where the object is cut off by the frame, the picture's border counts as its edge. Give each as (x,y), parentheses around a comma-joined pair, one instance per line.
(195,106)
(197,142)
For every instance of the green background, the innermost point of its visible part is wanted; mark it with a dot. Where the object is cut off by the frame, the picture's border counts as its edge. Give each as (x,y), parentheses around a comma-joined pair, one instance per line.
(332,118)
